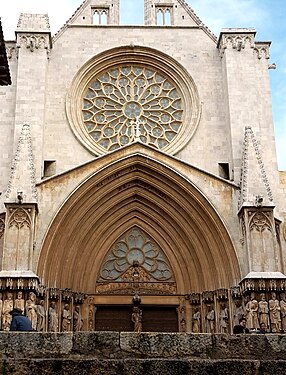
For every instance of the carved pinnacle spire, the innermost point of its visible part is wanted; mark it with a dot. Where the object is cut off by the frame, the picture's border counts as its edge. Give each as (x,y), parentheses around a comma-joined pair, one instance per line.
(22,185)
(255,188)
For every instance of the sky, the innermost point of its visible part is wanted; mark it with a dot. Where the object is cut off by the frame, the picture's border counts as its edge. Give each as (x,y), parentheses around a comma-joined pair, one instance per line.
(268,17)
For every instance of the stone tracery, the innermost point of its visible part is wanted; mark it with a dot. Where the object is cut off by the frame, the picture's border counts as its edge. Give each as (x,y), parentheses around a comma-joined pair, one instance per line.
(115,98)
(136,247)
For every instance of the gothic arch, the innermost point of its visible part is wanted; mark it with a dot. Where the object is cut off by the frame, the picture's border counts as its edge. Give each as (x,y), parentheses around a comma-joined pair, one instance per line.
(138,191)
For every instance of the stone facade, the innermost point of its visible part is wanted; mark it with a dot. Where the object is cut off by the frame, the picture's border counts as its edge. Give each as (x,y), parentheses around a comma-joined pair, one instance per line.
(134,166)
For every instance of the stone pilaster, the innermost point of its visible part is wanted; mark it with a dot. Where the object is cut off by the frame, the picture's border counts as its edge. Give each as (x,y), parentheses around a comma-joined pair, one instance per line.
(33,40)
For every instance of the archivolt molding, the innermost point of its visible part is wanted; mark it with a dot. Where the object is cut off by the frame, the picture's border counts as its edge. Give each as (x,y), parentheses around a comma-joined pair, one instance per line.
(138,192)
(2,226)
(148,60)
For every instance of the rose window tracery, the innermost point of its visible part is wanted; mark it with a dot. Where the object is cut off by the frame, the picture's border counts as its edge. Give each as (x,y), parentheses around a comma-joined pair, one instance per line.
(124,98)
(129,94)
(135,247)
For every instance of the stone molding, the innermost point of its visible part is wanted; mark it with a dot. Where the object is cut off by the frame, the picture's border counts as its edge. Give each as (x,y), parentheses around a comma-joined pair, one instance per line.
(241,39)
(262,50)
(34,42)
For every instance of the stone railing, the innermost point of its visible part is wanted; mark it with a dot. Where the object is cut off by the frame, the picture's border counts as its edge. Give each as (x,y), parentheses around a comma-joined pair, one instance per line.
(135,354)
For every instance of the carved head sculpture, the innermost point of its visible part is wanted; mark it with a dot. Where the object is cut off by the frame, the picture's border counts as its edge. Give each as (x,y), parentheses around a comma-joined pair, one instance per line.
(262,296)
(19,295)
(9,296)
(252,296)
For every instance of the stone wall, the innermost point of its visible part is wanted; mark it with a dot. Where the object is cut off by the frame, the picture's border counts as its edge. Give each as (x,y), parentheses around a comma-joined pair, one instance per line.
(147,353)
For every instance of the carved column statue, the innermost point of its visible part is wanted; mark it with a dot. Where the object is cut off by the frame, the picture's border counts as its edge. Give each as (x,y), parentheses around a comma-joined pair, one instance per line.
(274,309)
(19,301)
(41,314)
(210,319)
(223,319)
(251,313)
(196,319)
(66,318)
(53,318)
(1,309)
(77,320)
(137,319)
(6,316)
(31,312)
(283,311)
(238,312)
(263,311)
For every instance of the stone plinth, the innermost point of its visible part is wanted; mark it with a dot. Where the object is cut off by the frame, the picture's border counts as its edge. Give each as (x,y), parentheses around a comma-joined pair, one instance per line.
(149,353)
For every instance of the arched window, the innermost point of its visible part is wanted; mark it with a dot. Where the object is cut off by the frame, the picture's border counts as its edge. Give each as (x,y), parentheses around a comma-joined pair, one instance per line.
(100,16)
(163,16)
(160,17)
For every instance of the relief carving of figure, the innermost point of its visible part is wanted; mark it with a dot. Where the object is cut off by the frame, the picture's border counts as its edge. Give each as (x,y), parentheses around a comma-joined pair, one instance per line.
(1,309)
(283,311)
(66,321)
(274,309)
(251,313)
(196,318)
(31,312)
(19,301)
(41,313)
(6,316)
(263,310)
(223,319)
(210,320)
(77,319)
(53,318)
(137,319)
(238,312)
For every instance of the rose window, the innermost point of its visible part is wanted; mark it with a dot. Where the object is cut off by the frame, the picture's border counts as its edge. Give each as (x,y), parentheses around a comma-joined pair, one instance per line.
(135,246)
(129,103)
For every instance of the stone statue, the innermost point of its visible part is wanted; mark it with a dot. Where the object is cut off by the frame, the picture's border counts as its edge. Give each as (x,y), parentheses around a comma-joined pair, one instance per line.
(196,318)
(223,319)
(31,312)
(238,312)
(251,313)
(53,317)
(77,320)
(66,321)
(41,313)
(6,316)
(263,310)
(283,311)
(19,301)
(274,309)
(1,308)
(210,320)
(137,319)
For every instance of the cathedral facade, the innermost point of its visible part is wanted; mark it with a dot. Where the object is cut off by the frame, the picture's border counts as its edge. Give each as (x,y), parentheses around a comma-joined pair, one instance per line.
(139,173)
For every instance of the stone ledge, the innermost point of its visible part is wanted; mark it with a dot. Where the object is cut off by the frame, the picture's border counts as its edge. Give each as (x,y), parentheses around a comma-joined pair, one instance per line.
(126,345)
(141,366)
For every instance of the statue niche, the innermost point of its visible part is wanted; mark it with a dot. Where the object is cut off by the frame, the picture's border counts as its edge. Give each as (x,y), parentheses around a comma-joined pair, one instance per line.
(136,263)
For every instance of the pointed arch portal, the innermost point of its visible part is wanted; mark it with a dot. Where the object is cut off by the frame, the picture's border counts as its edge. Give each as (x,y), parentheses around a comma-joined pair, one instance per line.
(138,192)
